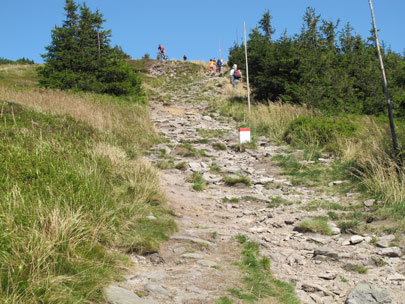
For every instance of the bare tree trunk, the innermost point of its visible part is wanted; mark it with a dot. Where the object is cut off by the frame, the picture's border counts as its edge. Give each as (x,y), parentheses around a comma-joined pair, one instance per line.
(387,95)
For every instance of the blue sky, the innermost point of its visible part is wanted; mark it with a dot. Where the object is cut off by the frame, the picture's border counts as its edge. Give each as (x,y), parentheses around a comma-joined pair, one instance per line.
(194,28)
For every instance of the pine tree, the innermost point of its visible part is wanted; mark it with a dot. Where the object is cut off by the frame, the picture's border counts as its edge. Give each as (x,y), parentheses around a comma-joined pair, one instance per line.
(265,25)
(80,56)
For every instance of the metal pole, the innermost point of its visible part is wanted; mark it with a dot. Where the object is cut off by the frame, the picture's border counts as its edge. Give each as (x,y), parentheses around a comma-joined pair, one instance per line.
(387,95)
(247,67)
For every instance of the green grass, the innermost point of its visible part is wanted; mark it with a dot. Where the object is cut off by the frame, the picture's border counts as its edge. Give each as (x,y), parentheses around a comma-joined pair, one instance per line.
(316,224)
(259,282)
(219,146)
(69,194)
(278,201)
(231,200)
(240,179)
(346,226)
(211,133)
(215,168)
(224,300)
(199,183)
(356,268)
(313,175)
(181,166)
(325,205)
(187,150)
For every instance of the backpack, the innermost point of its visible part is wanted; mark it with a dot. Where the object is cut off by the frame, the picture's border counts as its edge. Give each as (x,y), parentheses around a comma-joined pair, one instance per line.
(236,74)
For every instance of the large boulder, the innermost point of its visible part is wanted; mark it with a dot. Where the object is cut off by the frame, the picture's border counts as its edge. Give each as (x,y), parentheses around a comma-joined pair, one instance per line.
(365,293)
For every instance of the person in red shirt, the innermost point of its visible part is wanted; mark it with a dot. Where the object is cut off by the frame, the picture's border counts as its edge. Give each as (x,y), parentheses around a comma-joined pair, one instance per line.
(161,50)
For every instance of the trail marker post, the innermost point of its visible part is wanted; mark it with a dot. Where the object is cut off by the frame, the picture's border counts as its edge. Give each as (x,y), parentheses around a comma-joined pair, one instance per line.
(387,95)
(244,136)
(247,67)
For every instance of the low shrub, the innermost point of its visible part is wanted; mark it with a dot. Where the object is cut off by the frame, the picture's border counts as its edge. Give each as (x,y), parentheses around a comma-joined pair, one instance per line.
(320,131)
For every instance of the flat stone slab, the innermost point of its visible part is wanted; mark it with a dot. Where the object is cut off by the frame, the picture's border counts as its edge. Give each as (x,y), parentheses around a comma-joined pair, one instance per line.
(119,295)
(194,240)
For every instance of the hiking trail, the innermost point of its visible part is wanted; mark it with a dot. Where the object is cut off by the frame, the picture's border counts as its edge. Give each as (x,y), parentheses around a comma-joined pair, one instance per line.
(197,264)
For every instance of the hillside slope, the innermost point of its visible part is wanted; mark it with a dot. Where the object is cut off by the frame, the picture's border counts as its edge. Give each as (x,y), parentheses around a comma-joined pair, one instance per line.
(74,191)
(220,194)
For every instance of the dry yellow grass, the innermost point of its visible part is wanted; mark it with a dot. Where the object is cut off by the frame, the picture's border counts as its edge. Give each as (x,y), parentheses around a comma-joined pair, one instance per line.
(102,112)
(18,69)
(379,172)
(57,102)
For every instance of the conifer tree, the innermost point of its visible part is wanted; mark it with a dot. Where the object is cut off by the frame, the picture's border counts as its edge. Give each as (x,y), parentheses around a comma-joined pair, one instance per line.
(80,56)
(322,67)
(265,25)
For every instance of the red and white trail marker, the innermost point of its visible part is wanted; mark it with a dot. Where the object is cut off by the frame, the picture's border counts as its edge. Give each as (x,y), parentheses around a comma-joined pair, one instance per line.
(244,136)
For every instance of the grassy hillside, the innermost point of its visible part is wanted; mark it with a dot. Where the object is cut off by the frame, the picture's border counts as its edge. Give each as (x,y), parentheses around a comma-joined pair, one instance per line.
(361,145)
(74,190)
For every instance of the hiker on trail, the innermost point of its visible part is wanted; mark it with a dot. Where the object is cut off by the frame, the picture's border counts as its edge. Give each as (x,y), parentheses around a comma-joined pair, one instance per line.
(219,66)
(212,65)
(184,58)
(161,50)
(235,76)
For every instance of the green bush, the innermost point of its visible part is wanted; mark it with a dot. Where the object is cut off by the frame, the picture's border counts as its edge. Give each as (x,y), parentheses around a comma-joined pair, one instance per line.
(322,131)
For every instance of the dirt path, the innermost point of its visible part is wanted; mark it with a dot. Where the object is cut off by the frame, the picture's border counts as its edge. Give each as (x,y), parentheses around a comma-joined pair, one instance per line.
(197,264)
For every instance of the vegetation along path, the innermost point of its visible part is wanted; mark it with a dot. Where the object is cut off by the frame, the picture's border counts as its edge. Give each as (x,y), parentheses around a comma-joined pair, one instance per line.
(238,213)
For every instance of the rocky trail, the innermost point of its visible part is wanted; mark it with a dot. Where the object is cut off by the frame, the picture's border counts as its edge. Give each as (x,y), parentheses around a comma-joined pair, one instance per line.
(197,264)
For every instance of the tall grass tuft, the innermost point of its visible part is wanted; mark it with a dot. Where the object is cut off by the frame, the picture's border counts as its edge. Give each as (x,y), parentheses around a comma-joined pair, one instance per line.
(269,120)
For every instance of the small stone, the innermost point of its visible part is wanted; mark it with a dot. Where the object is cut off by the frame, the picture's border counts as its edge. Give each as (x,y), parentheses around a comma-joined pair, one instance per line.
(335,183)
(119,295)
(317,240)
(368,239)
(195,256)
(151,217)
(392,252)
(156,290)
(195,167)
(356,239)
(369,203)
(383,243)
(327,252)
(365,293)
(335,230)
(207,263)
(156,259)
(328,276)
(179,250)
(396,277)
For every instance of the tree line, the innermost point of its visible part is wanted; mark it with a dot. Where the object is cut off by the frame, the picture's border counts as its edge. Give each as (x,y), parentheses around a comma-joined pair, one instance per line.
(80,56)
(325,67)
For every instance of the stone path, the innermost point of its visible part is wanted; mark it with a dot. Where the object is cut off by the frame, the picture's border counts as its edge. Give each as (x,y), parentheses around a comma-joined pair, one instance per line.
(196,265)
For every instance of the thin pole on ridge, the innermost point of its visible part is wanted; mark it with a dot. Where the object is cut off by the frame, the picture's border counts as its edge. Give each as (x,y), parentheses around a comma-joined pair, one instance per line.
(247,67)
(387,95)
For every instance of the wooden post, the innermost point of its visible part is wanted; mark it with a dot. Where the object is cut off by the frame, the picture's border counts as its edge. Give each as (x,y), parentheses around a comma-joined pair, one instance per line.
(247,67)
(387,95)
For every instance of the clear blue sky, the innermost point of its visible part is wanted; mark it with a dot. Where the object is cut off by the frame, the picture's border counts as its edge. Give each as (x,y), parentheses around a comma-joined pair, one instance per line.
(194,28)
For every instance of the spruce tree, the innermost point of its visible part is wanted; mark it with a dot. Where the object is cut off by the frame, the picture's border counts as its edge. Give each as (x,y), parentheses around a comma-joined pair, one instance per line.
(265,25)
(80,56)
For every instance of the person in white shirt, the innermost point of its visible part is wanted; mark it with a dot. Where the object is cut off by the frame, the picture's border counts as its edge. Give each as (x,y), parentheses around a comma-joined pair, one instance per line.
(235,76)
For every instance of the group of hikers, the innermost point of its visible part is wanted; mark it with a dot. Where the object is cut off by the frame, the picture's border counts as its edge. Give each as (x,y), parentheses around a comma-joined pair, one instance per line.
(214,66)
